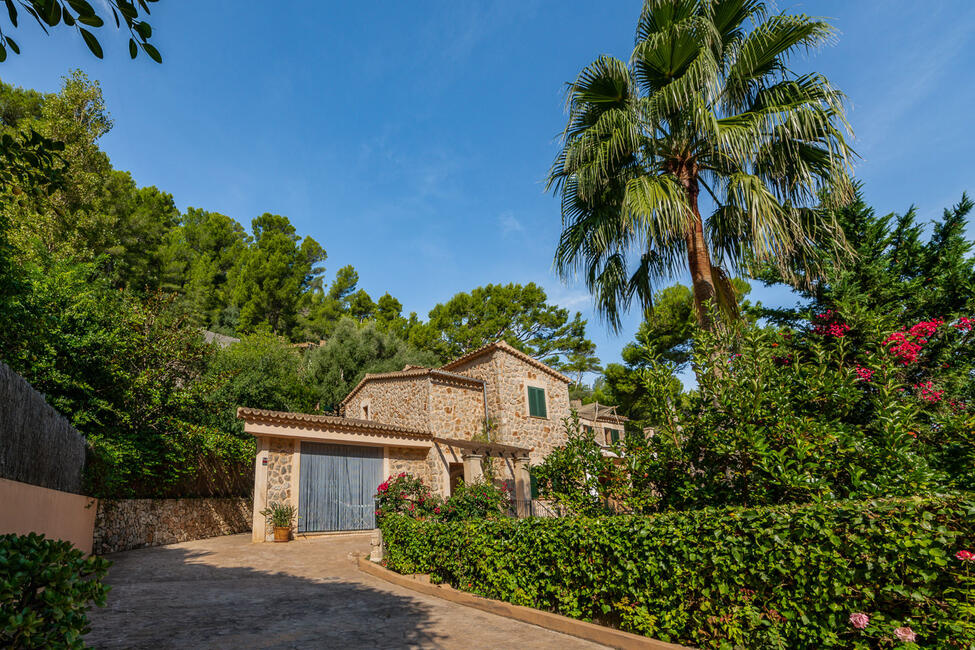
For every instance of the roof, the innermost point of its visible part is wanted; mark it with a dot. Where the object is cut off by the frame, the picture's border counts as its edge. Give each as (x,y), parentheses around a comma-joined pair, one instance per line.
(411,372)
(597,411)
(501,346)
(332,421)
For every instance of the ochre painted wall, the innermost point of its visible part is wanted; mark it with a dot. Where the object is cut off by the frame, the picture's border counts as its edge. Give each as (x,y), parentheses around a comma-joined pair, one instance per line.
(28,508)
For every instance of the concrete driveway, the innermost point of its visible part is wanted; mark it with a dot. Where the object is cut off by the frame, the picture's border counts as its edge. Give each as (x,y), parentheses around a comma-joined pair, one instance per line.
(226,592)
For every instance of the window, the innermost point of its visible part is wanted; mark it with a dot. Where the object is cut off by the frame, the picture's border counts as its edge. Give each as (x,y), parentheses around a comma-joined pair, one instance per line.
(365,411)
(587,428)
(536,402)
(612,436)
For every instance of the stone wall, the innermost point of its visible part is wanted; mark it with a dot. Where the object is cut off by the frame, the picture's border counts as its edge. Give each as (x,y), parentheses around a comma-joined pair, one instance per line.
(123,524)
(508,379)
(456,410)
(422,463)
(401,401)
(280,461)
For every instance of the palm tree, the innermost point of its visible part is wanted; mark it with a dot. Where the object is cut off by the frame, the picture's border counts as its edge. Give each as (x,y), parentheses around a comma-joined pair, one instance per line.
(707,102)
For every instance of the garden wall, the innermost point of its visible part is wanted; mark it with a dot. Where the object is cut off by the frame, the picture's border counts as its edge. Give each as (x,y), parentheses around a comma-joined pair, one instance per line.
(42,460)
(123,524)
(26,508)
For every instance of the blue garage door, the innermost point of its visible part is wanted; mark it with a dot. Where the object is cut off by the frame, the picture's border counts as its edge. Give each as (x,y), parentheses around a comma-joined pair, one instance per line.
(338,487)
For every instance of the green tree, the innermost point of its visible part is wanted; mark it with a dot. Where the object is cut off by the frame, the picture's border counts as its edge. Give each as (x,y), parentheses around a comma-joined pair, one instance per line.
(197,258)
(663,347)
(321,309)
(350,352)
(262,371)
(896,272)
(579,363)
(274,273)
(708,104)
(361,306)
(81,15)
(127,373)
(518,314)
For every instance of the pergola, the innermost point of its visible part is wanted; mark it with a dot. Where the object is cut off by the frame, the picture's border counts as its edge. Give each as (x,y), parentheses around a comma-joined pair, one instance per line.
(474,451)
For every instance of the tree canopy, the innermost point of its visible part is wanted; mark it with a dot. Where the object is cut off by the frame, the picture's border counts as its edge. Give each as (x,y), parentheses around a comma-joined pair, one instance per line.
(82,16)
(707,108)
(518,314)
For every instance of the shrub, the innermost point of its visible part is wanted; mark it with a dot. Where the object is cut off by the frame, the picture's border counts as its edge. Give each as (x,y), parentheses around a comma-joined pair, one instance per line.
(578,477)
(476,501)
(837,412)
(773,577)
(46,587)
(407,495)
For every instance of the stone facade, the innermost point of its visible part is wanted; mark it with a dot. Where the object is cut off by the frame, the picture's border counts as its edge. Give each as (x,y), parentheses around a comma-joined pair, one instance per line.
(421,463)
(419,417)
(507,378)
(123,524)
(456,410)
(396,400)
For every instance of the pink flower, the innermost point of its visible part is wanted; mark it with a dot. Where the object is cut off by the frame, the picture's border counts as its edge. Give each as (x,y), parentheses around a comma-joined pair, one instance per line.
(863,374)
(859,620)
(965,556)
(964,324)
(928,392)
(905,634)
(826,324)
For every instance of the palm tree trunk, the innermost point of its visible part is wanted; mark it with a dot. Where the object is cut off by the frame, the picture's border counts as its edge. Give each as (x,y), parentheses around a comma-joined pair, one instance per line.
(698,256)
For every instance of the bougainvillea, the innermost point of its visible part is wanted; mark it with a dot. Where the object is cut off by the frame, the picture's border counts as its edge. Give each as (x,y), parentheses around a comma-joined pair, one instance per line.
(830,324)
(928,392)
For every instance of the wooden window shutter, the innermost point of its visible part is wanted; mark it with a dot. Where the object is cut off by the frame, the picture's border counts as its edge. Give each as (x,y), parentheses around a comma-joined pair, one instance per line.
(536,402)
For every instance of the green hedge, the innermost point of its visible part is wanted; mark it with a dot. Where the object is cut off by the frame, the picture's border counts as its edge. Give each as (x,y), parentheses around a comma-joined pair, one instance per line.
(773,577)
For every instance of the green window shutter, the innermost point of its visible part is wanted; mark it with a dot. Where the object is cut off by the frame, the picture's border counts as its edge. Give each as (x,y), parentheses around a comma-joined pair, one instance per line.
(536,402)
(534,486)
(614,435)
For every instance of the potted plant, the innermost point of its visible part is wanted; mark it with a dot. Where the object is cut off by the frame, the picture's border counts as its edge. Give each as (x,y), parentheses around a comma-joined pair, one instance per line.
(282,515)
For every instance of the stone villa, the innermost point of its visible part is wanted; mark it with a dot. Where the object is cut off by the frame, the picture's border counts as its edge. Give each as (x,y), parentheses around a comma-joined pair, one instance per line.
(436,423)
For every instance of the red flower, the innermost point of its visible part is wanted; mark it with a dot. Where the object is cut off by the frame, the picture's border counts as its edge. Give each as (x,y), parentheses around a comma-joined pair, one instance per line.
(928,392)
(965,556)
(863,374)
(965,324)
(825,324)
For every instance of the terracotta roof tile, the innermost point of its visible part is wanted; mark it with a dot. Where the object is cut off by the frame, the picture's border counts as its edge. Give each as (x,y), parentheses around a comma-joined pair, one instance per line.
(353,424)
(409,372)
(505,347)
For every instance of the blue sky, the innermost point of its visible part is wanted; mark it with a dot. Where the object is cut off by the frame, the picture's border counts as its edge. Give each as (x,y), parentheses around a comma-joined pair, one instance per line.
(412,139)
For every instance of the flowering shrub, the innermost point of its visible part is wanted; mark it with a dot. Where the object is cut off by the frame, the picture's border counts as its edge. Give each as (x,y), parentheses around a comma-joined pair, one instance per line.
(843,574)
(830,324)
(845,418)
(406,494)
(476,501)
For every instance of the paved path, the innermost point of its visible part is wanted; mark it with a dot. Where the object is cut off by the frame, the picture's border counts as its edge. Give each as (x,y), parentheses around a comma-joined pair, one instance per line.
(226,592)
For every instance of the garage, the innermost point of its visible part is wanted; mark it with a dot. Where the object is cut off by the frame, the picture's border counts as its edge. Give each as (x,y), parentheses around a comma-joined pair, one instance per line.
(337,487)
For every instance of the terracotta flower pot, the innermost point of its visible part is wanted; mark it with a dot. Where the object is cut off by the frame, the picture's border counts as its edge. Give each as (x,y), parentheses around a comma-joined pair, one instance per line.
(282,533)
